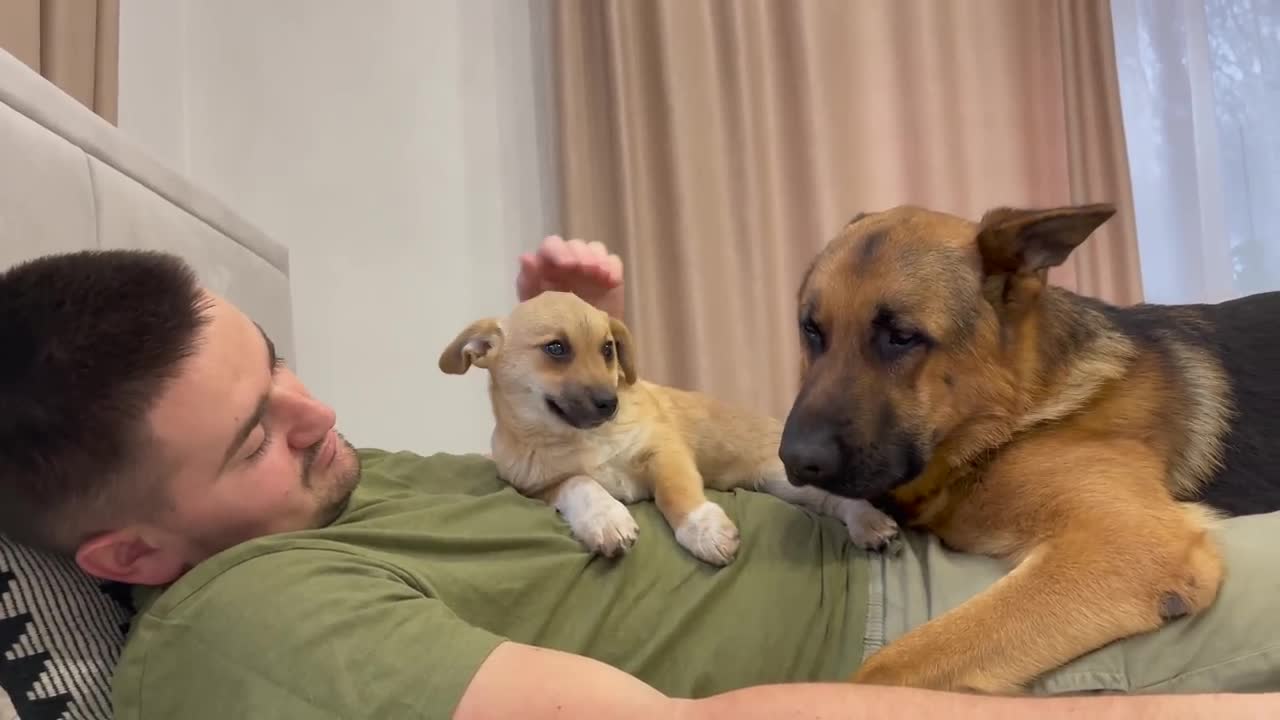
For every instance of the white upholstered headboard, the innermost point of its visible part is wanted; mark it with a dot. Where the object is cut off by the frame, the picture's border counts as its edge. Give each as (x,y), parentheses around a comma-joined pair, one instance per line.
(68,181)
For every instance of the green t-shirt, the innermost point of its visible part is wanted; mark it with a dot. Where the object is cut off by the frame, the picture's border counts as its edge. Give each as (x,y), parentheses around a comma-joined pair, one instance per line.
(389,611)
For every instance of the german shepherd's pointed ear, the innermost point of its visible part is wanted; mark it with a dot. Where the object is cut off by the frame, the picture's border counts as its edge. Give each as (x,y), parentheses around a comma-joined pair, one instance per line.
(476,345)
(1015,241)
(624,348)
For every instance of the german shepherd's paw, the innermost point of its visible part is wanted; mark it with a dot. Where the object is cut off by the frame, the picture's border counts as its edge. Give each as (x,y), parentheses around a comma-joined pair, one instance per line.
(868,527)
(607,529)
(709,534)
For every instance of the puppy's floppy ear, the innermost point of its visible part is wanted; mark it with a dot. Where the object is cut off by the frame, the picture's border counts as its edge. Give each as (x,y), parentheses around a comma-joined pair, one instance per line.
(478,344)
(626,349)
(1016,241)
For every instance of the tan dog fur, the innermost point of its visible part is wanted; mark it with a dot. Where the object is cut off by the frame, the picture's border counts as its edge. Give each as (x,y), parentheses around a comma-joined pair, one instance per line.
(662,443)
(1017,420)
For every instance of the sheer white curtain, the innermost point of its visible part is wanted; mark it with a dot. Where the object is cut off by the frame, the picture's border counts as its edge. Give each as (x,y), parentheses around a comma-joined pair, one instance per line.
(1200,89)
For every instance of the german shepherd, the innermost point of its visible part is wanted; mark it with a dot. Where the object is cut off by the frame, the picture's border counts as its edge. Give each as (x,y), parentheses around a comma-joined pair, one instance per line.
(1092,445)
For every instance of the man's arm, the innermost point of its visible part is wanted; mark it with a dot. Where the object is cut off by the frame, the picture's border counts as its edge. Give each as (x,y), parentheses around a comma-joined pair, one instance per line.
(538,684)
(533,683)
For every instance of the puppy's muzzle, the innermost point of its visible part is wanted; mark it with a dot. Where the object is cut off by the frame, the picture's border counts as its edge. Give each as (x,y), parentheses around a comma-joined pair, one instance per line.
(584,408)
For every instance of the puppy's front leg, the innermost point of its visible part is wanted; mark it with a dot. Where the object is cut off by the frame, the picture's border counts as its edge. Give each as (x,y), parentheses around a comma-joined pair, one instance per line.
(701,526)
(597,519)
(868,527)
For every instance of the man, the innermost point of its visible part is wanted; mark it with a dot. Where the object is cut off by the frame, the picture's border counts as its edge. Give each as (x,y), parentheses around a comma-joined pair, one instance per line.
(150,431)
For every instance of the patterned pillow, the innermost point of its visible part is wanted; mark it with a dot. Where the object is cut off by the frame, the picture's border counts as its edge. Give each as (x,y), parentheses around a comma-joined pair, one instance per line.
(60,636)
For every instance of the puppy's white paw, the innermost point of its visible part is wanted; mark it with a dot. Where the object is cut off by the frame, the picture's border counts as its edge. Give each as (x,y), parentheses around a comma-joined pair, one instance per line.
(607,529)
(596,518)
(709,534)
(868,527)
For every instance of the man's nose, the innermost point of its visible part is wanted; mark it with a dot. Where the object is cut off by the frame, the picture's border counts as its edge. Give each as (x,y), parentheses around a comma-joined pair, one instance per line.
(309,419)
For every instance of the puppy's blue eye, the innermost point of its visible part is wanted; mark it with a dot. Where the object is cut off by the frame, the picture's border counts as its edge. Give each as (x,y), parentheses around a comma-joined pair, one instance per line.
(607,350)
(555,348)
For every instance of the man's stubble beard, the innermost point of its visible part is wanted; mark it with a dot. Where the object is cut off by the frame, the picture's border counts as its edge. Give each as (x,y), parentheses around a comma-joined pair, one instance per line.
(332,496)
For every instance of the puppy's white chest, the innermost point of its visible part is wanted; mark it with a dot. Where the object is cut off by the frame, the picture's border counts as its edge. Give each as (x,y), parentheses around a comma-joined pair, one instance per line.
(608,460)
(617,476)
(611,462)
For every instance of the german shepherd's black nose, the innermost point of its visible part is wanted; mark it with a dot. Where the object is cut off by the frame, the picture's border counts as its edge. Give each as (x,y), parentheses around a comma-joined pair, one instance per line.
(811,460)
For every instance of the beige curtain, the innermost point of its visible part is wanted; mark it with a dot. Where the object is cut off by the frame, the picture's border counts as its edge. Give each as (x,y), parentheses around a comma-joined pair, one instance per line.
(718,145)
(1106,266)
(72,43)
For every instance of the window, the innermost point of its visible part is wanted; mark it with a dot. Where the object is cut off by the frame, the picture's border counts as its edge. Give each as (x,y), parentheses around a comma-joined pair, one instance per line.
(1200,91)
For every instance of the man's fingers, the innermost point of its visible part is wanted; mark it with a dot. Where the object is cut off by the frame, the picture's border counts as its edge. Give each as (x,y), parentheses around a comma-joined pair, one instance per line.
(581,256)
(563,266)
(556,251)
(613,268)
(572,265)
(597,261)
(529,279)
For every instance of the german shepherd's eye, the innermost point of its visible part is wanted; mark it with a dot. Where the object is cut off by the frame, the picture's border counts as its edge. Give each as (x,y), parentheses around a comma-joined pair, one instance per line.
(899,338)
(556,349)
(812,335)
(607,350)
(894,342)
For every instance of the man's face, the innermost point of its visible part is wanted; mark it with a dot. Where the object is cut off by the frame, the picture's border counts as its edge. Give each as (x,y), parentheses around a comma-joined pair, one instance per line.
(248,451)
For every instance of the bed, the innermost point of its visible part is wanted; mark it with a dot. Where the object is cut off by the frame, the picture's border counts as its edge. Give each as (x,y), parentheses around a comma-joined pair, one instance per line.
(70,181)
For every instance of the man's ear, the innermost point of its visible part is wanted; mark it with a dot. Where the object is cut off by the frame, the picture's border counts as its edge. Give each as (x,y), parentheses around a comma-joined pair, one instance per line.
(478,344)
(625,349)
(1016,241)
(130,557)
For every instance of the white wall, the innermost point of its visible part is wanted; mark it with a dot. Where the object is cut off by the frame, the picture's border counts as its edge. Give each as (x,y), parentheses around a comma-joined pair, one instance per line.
(402,149)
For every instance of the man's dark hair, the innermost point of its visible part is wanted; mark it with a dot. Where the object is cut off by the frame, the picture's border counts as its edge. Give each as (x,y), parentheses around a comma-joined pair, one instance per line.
(88,342)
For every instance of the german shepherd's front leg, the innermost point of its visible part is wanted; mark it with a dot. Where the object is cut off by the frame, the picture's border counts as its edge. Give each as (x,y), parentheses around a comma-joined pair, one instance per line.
(1119,557)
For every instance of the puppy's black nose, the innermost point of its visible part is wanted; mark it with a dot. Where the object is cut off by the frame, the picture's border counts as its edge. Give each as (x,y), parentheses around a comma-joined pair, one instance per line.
(811,461)
(605,403)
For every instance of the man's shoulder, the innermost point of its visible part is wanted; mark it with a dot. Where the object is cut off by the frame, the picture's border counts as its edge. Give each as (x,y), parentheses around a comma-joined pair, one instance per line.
(397,494)
(468,473)
(270,629)
(254,572)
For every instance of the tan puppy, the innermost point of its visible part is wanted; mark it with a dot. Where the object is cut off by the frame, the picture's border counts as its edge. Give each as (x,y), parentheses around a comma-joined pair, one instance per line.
(576,428)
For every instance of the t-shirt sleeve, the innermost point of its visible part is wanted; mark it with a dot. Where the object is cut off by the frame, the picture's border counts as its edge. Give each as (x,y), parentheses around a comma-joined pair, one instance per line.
(301,634)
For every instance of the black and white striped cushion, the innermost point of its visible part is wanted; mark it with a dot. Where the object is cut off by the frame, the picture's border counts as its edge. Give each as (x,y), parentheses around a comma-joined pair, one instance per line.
(60,636)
